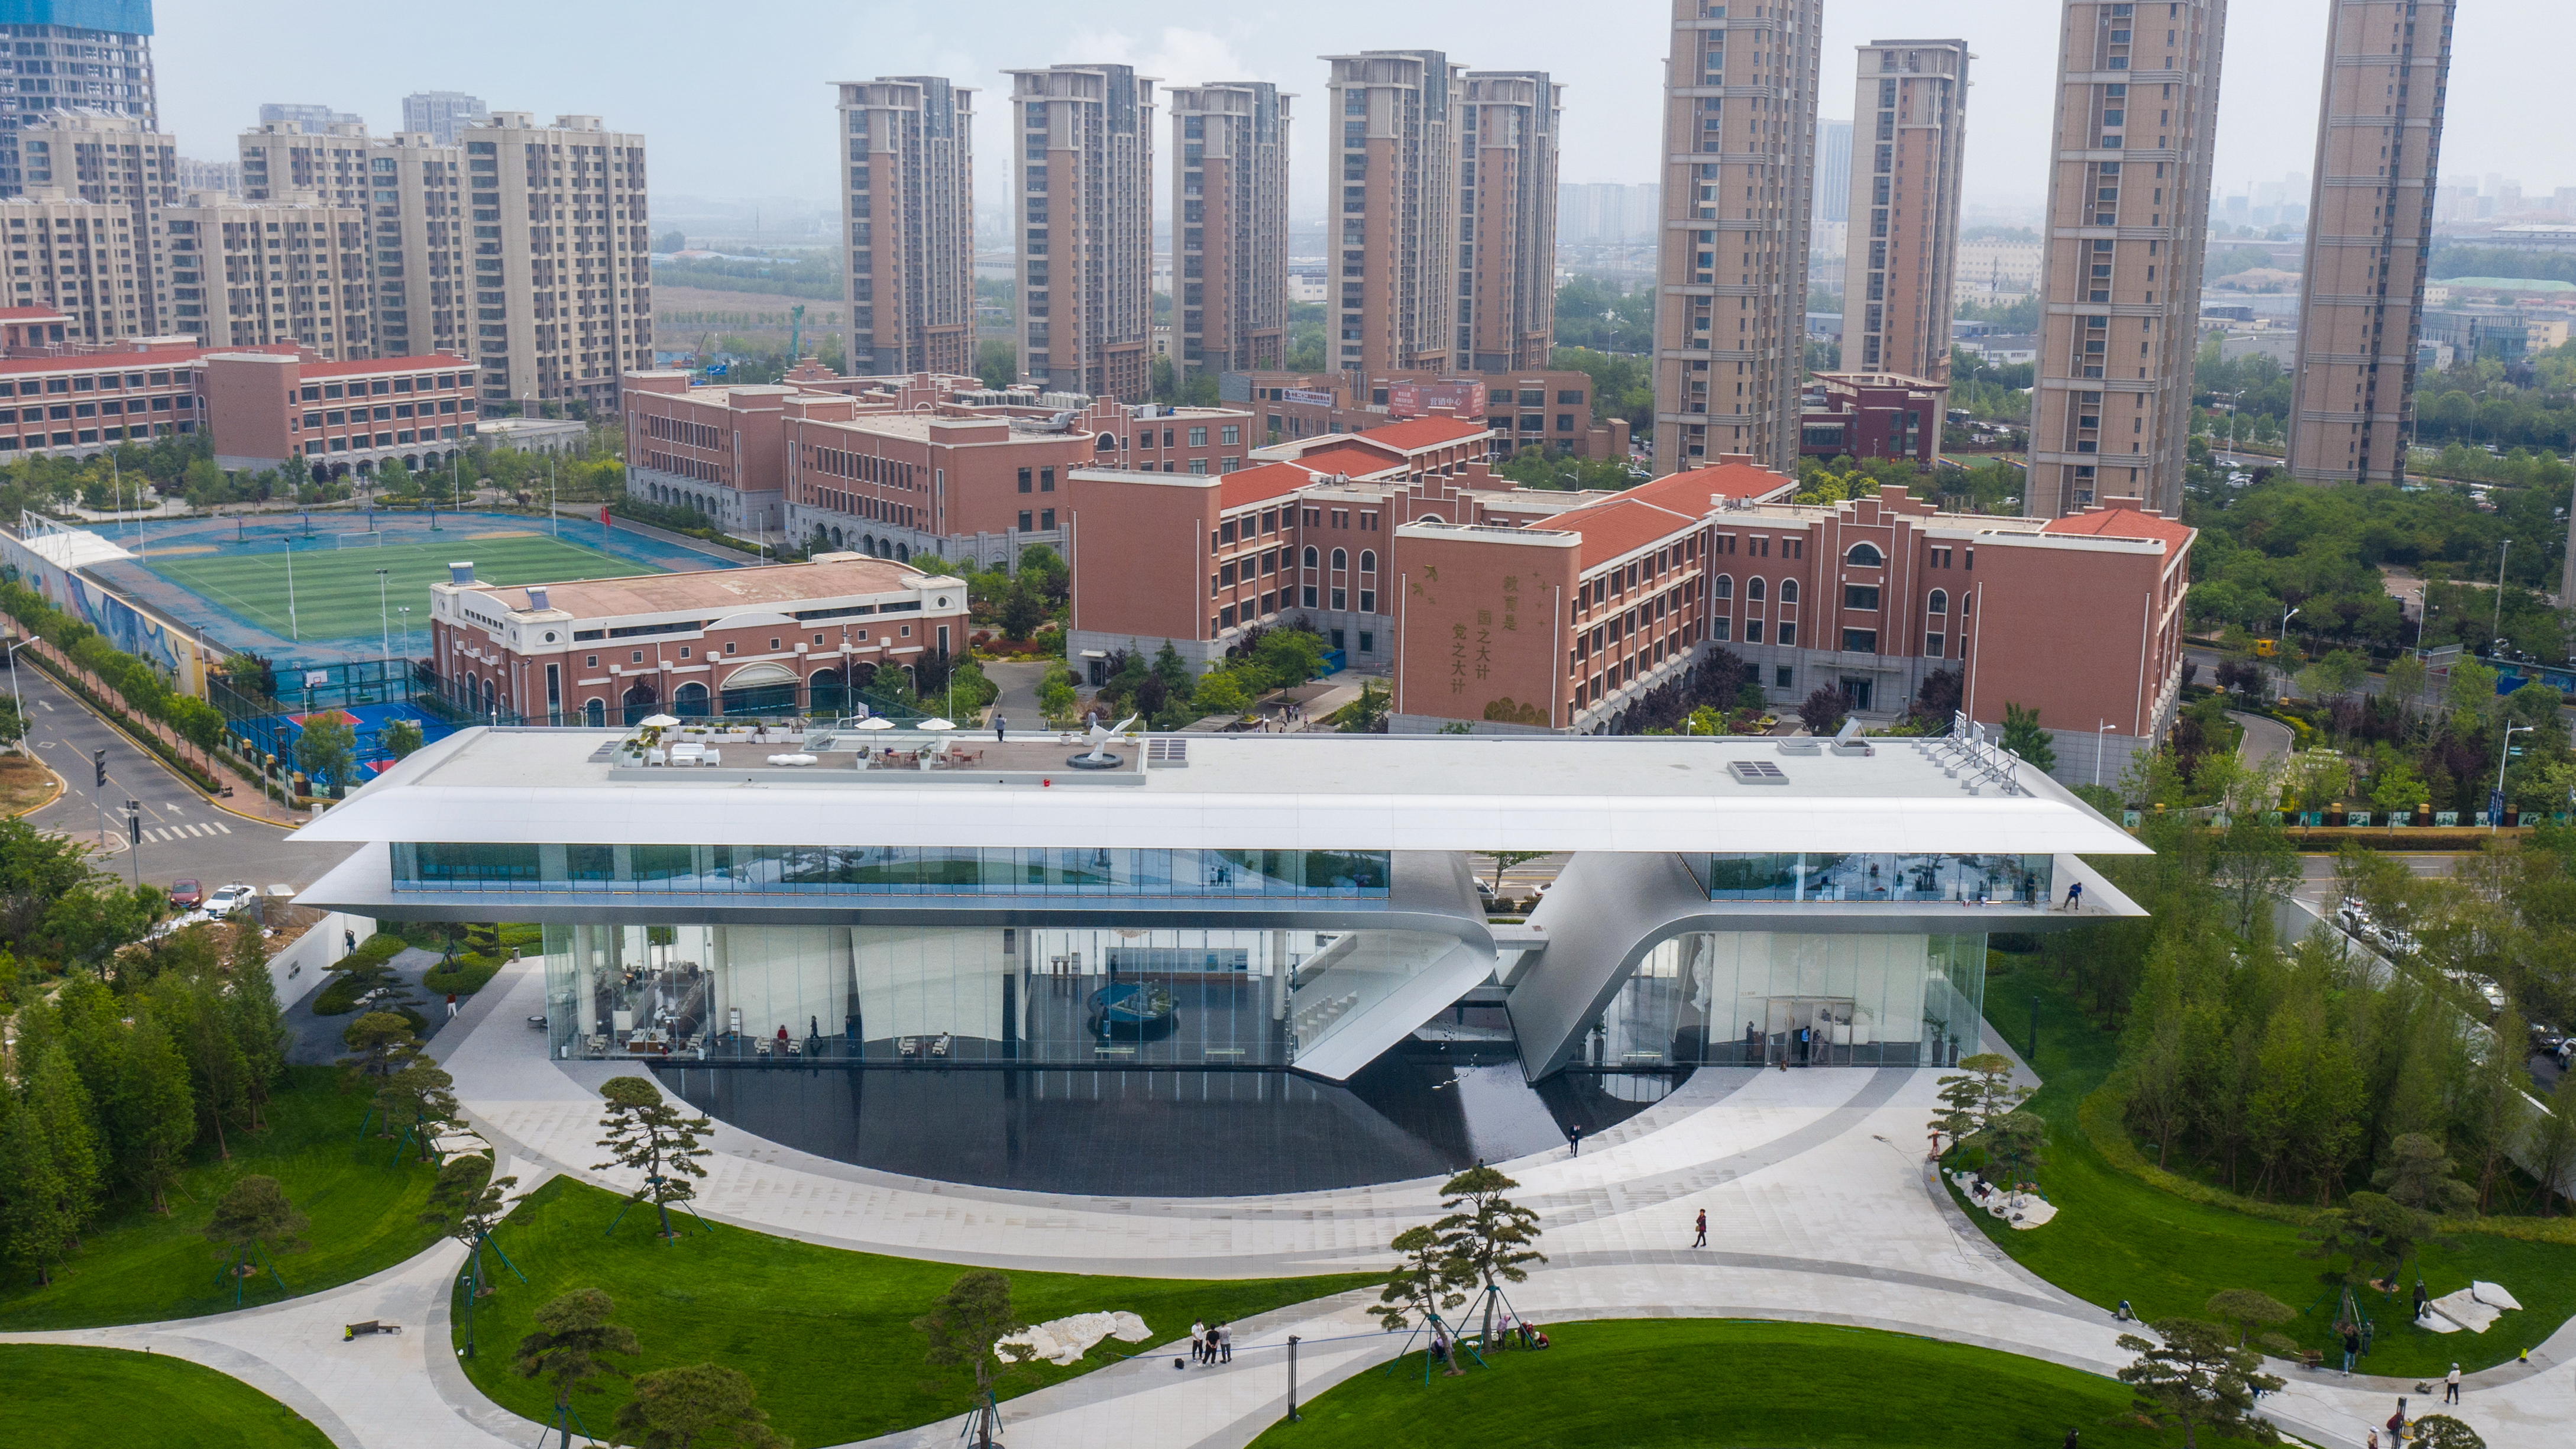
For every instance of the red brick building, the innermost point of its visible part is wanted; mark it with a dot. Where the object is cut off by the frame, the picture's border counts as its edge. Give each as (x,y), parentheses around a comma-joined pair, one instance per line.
(1872,415)
(792,638)
(268,405)
(1510,608)
(1545,409)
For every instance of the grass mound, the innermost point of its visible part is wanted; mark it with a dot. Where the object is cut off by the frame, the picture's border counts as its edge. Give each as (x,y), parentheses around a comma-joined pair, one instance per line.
(62,1397)
(1663,1383)
(137,1266)
(825,1334)
(2117,1237)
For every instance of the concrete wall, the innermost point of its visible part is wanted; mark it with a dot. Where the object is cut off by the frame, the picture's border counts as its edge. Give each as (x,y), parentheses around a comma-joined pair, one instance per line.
(299,970)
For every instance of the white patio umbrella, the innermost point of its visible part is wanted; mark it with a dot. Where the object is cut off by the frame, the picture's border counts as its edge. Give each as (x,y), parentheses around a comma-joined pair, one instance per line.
(936,724)
(659,721)
(876,722)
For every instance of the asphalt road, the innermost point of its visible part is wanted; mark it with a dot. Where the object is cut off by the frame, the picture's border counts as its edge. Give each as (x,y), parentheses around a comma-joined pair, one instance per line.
(183,834)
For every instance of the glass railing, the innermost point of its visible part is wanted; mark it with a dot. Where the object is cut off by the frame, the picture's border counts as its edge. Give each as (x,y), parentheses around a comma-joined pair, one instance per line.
(1893,878)
(793,870)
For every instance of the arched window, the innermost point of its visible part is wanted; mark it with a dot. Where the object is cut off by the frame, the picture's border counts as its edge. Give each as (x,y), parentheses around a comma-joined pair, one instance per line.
(1788,591)
(1368,560)
(594,712)
(1310,556)
(1341,559)
(1864,556)
(1940,603)
(1724,588)
(1753,589)
(903,553)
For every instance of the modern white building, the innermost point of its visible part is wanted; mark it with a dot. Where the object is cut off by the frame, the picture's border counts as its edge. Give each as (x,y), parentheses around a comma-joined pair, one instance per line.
(891,899)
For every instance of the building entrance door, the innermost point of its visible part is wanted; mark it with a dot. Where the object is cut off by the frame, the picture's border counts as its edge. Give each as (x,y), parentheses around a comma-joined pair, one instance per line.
(1858,691)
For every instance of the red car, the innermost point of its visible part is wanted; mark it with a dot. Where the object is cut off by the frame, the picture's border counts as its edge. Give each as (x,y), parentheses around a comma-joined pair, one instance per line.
(186,895)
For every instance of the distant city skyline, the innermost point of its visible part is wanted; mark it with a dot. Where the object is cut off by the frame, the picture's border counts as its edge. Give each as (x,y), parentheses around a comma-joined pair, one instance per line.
(217,63)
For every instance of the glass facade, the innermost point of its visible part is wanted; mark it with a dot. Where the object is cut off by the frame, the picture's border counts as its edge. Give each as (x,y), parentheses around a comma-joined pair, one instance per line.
(1351,877)
(1105,995)
(1753,998)
(1873,877)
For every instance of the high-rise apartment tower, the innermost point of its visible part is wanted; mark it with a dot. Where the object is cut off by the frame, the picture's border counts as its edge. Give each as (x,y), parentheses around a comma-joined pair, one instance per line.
(2127,226)
(1507,221)
(1739,154)
(439,115)
(2370,226)
(1392,224)
(908,199)
(247,273)
(121,162)
(1082,211)
(410,189)
(1833,170)
(88,55)
(1230,226)
(312,120)
(563,290)
(1909,122)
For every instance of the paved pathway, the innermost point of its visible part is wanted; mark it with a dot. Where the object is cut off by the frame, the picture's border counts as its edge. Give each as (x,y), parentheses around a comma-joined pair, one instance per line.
(2266,739)
(1820,1206)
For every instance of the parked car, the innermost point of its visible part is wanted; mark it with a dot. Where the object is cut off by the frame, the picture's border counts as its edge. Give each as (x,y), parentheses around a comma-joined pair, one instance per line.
(228,900)
(186,895)
(2546,1040)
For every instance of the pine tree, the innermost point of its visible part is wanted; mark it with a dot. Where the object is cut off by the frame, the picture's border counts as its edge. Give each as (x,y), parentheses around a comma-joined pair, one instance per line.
(702,1405)
(2196,1381)
(62,1110)
(36,1217)
(154,1120)
(652,1138)
(1491,1237)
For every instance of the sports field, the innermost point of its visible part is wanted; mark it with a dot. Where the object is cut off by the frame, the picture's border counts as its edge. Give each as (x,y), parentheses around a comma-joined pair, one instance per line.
(319,591)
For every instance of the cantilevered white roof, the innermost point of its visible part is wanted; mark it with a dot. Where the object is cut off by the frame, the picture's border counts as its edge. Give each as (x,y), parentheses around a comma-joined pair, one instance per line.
(1283,792)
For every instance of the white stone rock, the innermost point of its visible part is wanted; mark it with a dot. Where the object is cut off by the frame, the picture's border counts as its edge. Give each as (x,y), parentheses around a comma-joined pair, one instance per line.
(1066,1340)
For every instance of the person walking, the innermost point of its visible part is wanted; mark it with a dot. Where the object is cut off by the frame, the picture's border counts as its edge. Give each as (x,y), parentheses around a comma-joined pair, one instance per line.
(1574,1140)
(349,941)
(1701,1240)
(2397,1426)
(2451,1386)
(451,1006)
(1001,729)
(2351,1347)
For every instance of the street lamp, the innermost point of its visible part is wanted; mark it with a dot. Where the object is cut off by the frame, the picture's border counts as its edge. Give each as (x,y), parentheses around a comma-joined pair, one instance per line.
(2495,802)
(2098,731)
(2287,615)
(14,691)
(405,611)
(384,622)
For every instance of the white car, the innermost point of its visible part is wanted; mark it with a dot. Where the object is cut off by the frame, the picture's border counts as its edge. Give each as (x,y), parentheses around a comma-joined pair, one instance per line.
(228,900)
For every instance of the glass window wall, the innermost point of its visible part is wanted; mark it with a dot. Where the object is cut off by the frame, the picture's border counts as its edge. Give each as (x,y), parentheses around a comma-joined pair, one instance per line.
(1757,998)
(1089,996)
(1354,876)
(1880,877)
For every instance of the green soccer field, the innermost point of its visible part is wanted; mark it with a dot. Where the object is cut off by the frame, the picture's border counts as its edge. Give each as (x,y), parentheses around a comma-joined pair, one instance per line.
(334,589)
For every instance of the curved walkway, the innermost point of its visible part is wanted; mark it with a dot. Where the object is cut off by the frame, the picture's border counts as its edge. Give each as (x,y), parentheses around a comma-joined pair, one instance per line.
(2265,739)
(1820,1208)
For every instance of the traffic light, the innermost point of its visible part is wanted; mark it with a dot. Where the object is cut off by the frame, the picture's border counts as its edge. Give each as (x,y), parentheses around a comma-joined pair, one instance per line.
(98,763)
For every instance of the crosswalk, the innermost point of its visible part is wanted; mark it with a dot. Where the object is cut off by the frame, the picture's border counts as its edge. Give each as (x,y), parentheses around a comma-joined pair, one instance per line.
(167,833)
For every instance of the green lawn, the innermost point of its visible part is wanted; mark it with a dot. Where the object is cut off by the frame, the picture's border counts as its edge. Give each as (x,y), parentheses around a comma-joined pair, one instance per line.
(334,587)
(62,1397)
(824,1333)
(137,1266)
(1703,1383)
(2117,1237)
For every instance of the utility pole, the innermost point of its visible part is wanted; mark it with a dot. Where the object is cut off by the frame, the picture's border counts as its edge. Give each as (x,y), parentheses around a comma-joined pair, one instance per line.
(2497,628)
(384,621)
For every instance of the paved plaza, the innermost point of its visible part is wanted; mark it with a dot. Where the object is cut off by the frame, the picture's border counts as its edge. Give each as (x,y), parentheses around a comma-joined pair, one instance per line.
(1821,1209)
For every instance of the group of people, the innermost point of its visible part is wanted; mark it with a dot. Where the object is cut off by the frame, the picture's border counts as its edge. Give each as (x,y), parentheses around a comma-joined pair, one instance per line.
(1211,1343)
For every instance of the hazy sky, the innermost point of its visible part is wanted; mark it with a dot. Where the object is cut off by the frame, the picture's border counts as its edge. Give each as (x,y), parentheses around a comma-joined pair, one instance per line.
(737,103)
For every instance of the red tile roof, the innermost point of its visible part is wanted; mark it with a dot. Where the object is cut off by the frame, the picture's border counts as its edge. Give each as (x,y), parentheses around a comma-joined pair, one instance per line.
(2124,523)
(33,314)
(1252,485)
(102,361)
(1350,461)
(1417,435)
(1667,505)
(423,362)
